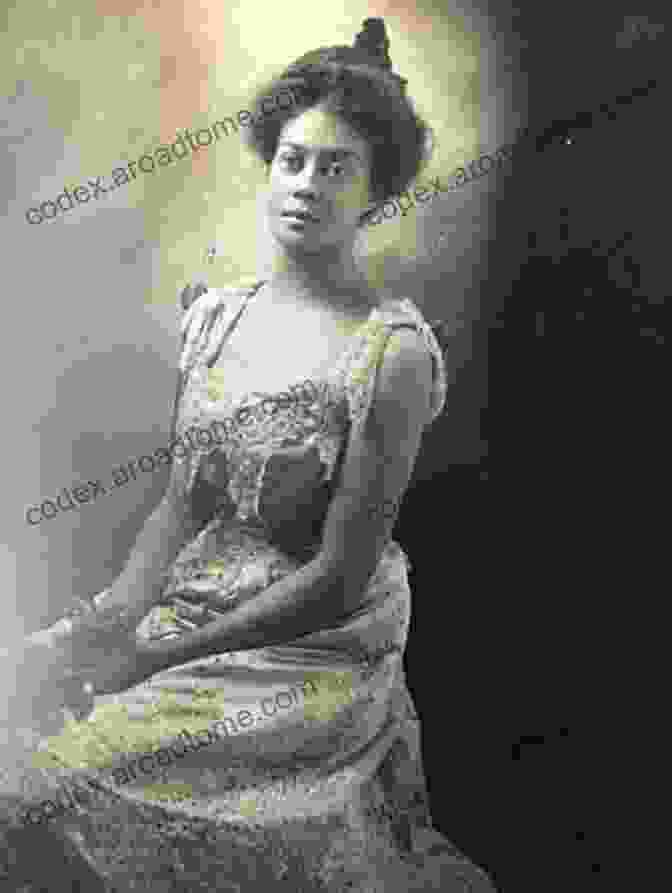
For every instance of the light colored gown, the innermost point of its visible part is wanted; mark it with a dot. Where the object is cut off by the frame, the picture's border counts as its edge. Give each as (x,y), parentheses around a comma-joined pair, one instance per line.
(303,769)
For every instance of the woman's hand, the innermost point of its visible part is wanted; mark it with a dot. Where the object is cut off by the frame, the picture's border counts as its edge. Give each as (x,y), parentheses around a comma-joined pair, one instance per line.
(66,665)
(111,670)
(105,653)
(38,663)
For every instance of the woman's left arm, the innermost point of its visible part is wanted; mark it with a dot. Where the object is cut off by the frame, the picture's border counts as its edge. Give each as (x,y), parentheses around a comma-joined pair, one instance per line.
(378,465)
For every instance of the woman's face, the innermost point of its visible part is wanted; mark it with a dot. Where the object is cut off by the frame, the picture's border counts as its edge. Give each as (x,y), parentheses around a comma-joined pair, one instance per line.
(321,168)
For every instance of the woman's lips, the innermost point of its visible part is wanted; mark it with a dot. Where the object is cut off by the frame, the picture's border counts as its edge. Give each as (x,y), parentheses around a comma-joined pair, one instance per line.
(299,217)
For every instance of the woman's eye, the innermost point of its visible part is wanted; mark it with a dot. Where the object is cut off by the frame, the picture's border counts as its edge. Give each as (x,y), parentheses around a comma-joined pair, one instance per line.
(290,159)
(294,162)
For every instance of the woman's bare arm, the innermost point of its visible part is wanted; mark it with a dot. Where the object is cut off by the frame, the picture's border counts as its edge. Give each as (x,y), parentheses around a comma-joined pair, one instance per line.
(376,471)
(140,584)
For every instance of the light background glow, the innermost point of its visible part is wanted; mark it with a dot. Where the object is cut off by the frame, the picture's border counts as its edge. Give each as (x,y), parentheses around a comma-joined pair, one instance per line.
(122,77)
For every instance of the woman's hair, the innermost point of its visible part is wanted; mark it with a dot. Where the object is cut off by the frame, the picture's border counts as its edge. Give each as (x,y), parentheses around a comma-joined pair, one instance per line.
(356,84)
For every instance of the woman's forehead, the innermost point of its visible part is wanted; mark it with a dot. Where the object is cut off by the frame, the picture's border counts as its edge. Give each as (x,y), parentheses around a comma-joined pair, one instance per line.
(320,130)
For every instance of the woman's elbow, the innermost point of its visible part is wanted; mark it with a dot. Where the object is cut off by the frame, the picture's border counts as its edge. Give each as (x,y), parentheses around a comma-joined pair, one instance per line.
(346,580)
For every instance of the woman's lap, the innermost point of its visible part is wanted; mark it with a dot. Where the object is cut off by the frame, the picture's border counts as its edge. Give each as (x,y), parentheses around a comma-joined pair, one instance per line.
(327,789)
(351,837)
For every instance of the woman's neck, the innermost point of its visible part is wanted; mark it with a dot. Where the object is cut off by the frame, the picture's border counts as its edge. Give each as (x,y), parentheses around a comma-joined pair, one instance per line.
(317,279)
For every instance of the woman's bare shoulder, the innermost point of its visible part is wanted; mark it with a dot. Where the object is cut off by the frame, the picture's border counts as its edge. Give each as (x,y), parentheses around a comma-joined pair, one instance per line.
(200,300)
(193,292)
(241,286)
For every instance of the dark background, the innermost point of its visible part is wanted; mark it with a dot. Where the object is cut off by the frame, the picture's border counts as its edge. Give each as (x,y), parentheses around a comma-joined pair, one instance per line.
(528,561)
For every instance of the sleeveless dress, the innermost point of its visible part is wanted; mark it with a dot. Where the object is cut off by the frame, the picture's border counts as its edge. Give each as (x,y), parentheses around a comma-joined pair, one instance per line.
(295,767)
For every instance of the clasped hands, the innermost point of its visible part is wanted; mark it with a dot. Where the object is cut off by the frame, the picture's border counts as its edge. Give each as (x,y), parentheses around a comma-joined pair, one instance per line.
(68,663)
(66,666)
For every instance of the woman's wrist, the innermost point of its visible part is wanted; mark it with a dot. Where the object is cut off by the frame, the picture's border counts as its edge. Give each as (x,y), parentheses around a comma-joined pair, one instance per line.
(155,656)
(163,654)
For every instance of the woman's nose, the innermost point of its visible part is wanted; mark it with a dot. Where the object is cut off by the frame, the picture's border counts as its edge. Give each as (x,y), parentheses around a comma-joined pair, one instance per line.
(308,183)
(307,193)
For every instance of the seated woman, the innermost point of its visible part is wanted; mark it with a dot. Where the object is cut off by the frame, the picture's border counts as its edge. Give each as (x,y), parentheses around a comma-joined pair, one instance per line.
(245,708)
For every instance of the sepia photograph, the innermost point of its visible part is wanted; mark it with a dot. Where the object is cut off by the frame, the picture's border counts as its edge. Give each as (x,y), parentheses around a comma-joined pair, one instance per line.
(325,337)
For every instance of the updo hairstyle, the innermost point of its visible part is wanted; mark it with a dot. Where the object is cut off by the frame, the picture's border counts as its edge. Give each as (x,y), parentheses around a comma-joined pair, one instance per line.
(356,84)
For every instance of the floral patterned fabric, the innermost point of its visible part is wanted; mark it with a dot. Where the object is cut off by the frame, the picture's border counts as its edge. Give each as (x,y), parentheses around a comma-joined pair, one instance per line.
(325,791)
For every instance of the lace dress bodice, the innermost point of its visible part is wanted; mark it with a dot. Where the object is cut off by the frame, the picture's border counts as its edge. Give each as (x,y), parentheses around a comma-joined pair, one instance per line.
(237,451)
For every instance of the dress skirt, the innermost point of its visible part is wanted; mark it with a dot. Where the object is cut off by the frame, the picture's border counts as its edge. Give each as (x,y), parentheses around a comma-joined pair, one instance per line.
(296,767)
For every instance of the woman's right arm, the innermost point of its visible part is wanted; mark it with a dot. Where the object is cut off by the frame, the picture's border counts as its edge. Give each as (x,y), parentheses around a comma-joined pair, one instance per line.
(120,608)
(111,628)
(140,584)
(138,587)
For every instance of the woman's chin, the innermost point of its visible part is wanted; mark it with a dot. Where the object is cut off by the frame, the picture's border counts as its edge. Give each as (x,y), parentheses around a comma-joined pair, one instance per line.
(299,239)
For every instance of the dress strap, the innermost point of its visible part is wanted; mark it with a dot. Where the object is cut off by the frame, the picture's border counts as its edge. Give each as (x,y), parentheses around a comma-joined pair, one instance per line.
(368,354)
(207,317)
(207,313)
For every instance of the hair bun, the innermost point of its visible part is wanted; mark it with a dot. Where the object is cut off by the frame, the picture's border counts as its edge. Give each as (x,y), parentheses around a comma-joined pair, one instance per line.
(373,41)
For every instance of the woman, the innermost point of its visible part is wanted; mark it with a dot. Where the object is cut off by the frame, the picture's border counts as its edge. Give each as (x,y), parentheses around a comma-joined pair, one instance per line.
(268,569)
